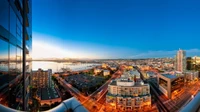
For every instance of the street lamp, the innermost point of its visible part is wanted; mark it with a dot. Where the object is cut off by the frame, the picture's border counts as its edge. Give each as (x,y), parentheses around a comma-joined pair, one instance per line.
(192,96)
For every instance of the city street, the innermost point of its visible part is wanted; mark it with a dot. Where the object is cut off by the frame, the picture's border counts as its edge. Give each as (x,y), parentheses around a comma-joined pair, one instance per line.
(94,101)
(183,97)
(179,100)
(90,103)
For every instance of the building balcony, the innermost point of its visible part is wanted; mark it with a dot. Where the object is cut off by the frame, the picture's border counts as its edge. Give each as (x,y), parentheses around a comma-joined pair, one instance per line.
(69,104)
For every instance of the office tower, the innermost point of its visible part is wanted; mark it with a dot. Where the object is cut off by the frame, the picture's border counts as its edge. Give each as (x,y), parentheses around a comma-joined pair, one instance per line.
(170,84)
(15,52)
(42,78)
(180,61)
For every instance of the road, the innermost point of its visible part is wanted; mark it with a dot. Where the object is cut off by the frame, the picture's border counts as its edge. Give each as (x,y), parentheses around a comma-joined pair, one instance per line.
(71,89)
(181,99)
(184,96)
(154,91)
(89,102)
(95,105)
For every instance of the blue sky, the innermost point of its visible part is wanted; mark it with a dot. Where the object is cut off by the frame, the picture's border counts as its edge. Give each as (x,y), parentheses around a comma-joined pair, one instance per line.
(115,28)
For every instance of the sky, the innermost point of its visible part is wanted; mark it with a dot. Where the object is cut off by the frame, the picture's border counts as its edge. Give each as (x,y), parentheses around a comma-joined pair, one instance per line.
(115,28)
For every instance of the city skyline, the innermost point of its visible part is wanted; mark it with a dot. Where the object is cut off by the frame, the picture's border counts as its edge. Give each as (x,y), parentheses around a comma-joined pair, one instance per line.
(99,56)
(107,29)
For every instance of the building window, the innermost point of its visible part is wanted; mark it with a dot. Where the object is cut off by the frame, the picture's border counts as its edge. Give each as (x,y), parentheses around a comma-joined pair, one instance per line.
(4,14)
(19,30)
(13,60)
(13,22)
(19,59)
(4,77)
(163,83)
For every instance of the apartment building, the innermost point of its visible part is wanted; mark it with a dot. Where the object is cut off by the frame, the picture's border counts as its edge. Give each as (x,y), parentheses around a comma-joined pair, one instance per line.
(128,95)
(180,61)
(106,72)
(42,78)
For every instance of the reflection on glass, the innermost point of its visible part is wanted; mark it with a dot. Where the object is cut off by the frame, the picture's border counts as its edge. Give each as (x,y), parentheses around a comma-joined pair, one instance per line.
(4,13)
(4,77)
(13,62)
(19,30)
(19,59)
(177,84)
(163,83)
(13,22)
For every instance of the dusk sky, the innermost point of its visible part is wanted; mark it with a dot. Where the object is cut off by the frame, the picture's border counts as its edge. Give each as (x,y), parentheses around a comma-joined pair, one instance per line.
(115,28)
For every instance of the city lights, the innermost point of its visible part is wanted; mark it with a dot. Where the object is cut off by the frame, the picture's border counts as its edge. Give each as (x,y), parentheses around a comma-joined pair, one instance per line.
(99,56)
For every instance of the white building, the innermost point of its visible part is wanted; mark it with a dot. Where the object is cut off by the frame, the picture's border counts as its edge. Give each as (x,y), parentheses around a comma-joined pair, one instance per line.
(97,70)
(132,74)
(127,95)
(180,61)
(196,60)
(191,75)
(106,72)
(113,68)
(104,65)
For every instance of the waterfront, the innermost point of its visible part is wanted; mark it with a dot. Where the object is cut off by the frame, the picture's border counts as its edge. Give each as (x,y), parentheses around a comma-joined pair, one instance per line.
(57,67)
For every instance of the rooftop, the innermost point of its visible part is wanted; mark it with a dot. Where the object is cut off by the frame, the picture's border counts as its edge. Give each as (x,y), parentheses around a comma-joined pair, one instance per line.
(113,83)
(106,71)
(126,96)
(127,83)
(170,76)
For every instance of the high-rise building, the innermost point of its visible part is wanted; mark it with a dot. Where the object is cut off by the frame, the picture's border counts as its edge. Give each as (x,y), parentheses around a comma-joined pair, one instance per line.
(180,61)
(49,77)
(42,78)
(15,52)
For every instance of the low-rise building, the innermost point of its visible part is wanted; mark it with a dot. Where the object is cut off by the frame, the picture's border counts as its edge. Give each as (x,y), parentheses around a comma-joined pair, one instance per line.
(113,68)
(132,74)
(106,72)
(144,67)
(170,84)
(150,74)
(191,75)
(97,70)
(48,96)
(104,65)
(125,94)
(130,67)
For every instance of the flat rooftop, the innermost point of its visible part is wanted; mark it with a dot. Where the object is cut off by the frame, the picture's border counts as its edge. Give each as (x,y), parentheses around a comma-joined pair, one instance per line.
(113,83)
(137,84)
(170,76)
(49,93)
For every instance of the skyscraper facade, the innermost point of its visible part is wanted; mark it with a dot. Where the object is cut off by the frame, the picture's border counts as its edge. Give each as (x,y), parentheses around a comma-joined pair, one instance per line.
(15,53)
(180,60)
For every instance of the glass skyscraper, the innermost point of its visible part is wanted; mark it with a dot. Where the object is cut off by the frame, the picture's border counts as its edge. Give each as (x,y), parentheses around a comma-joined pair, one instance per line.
(15,53)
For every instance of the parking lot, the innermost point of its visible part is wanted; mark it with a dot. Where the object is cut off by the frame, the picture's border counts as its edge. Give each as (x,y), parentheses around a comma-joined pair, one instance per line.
(85,83)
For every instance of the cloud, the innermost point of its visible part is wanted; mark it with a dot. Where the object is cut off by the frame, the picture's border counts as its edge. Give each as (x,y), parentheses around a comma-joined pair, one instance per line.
(161,53)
